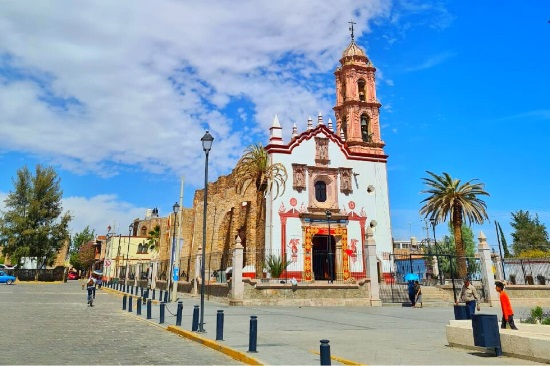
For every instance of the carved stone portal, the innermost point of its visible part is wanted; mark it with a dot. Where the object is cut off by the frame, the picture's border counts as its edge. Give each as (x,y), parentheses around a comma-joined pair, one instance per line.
(299,177)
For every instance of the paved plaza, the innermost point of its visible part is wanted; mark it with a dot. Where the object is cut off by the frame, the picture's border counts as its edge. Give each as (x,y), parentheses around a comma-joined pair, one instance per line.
(50,324)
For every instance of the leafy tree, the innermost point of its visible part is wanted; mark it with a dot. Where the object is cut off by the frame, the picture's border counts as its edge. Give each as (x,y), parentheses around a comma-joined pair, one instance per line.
(535,253)
(503,242)
(154,236)
(529,233)
(448,198)
(254,168)
(78,240)
(34,224)
(86,255)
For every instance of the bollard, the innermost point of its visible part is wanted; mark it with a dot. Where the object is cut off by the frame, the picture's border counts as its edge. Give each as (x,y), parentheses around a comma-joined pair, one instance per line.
(219,325)
(153,294)
(253,335)
(138,310)
(324,350)
(137,288)
(178,313)
(160,296)
(124,302)
(130,303)
(162,307)
(148,308)
(165,296)
(195,324)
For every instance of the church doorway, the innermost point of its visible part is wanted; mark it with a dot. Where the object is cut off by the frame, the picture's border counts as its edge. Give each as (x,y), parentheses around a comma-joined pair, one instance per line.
(323,259)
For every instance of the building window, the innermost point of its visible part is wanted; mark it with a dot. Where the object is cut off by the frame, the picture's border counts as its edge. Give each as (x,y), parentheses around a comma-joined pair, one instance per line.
(361,89)
(345,127)
(320,191)
(143,230)
(365,128)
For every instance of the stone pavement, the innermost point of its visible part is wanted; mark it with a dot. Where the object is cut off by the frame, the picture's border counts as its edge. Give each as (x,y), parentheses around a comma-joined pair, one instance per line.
(357,335)
(50,324)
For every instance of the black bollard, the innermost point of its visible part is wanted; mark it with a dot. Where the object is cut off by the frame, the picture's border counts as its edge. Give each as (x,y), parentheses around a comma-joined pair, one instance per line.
(219,325)
(138,310)
(162,307)
(165,296)
(153,294)
(178,313)
(137,288)
(324,350)
(160,295)
(124,302)
(195,324)
(130,303)
(148,308)
(253,335)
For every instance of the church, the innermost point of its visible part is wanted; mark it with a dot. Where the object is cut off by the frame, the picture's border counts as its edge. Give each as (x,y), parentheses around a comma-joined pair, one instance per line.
(337,183)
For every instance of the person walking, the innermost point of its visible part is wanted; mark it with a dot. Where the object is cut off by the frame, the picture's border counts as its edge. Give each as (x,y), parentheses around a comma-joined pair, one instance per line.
(507,311)
(418,295)
(412,293)
(90,287)
(469,295)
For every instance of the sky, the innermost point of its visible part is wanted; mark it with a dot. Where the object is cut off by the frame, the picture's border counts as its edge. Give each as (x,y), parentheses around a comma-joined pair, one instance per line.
(116,96)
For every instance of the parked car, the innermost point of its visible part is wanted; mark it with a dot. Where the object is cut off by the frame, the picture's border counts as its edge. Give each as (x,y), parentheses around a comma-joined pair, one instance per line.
(4,266)
(6,278)
(73,276)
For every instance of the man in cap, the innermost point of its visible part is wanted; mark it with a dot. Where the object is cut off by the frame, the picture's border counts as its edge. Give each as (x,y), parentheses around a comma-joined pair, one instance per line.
(507,311)
(469,295)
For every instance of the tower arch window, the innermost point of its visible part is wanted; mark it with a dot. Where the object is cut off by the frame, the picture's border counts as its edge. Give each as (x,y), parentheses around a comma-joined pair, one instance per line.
(345,127)
(361,89)
(320,191)
(143,230)
(365,128)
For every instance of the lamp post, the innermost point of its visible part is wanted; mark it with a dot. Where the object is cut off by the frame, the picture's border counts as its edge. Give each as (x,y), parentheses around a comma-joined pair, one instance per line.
(130,228)
(433,222)
(207,140)
(329,215)
(175,209)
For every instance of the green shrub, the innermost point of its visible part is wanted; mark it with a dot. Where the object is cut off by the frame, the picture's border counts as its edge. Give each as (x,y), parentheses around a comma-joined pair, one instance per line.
(276,265)
(546,321)
(536,313)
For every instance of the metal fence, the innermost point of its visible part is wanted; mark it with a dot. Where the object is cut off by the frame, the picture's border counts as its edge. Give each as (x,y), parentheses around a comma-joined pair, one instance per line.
(429,272)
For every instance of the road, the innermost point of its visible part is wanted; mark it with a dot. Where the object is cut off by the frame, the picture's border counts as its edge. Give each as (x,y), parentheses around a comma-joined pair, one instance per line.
(51,324)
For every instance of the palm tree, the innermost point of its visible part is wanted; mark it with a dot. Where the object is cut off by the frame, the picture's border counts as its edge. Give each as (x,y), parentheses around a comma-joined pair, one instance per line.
(254,168)
(154,236)
(448,198)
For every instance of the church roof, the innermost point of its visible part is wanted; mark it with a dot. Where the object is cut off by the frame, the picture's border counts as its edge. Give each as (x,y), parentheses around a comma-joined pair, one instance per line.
(353,50)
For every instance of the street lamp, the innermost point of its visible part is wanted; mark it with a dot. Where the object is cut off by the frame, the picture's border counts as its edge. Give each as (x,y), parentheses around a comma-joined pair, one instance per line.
(175,209)
(433,222)
(130,229)
(329,215)
(207,140)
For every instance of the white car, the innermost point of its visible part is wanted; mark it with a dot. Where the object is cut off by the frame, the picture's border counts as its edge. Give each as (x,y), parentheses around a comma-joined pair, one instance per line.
(3,266)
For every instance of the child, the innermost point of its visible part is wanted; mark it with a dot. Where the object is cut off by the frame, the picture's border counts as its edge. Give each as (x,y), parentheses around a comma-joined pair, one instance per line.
(418,293)
(507,312)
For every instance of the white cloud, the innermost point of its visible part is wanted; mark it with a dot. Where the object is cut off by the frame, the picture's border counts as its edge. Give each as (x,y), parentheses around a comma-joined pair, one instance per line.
(96,85)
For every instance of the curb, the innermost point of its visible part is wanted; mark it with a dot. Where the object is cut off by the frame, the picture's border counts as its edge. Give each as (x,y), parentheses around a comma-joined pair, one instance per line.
(237,355)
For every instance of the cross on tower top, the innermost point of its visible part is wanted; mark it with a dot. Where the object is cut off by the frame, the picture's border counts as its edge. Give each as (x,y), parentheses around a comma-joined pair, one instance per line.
(351,28)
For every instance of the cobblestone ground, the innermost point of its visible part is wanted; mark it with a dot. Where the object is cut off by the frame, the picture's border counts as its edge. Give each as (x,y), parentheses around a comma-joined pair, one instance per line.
(51,324)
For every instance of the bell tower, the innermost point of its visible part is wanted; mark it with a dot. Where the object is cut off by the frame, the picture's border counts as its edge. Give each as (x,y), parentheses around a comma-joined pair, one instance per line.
(357,109)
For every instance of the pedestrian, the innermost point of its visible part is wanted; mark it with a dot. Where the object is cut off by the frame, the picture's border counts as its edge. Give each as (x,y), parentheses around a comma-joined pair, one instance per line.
(90,287)
(418,299)
(507,311)
(469,295)
(412,293)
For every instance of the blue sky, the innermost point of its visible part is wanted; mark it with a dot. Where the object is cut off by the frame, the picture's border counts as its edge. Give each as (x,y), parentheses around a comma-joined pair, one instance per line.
(116,95)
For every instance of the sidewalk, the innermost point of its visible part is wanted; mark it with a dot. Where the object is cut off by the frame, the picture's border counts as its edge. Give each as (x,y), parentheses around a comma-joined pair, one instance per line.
(357,335)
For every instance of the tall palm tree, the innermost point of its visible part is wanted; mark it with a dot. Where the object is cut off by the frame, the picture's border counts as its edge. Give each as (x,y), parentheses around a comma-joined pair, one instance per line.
(254,168)
(154,236)
(449,198)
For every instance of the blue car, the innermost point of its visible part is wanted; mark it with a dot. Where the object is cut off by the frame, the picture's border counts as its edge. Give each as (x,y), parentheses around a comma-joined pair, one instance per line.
(6,278)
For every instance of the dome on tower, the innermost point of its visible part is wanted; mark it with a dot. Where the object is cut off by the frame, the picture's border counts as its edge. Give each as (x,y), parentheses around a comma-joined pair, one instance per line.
(353,50)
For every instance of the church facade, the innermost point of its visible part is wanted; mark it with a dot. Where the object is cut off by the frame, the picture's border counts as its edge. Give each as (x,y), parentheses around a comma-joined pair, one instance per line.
(337,183)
